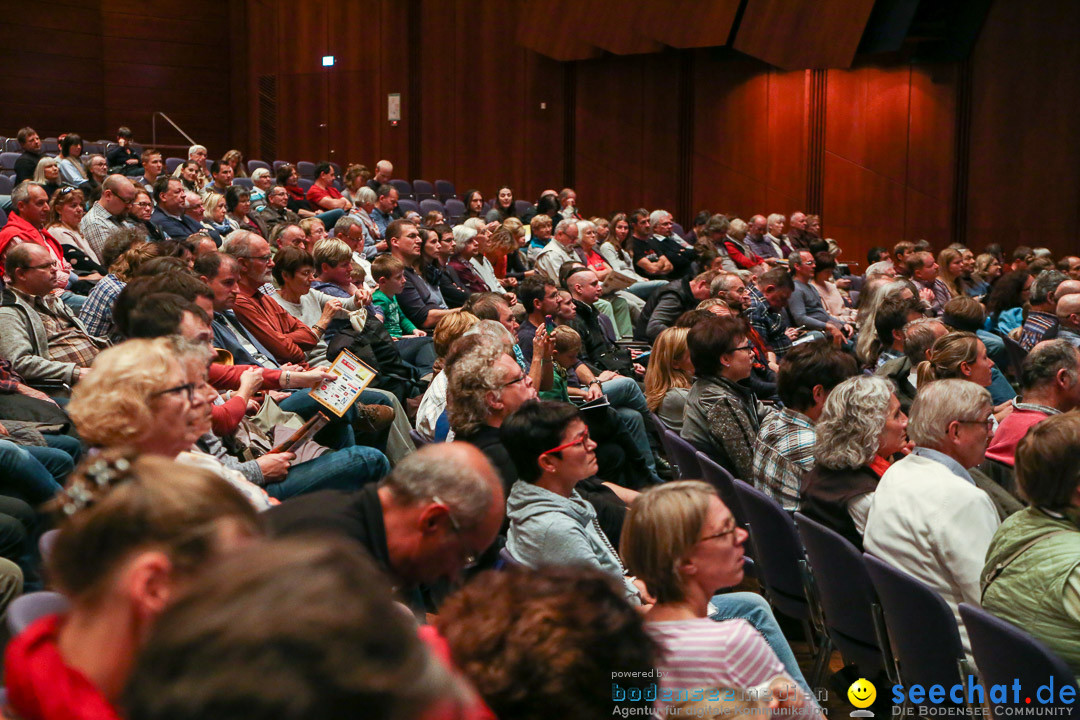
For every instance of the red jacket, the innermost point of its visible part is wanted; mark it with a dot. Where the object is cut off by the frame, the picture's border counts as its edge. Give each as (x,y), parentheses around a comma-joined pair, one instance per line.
(18,228)
(279,332)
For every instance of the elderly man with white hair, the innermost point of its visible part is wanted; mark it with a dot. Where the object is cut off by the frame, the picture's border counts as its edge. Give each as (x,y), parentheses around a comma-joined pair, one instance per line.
(665,242)
(927,517)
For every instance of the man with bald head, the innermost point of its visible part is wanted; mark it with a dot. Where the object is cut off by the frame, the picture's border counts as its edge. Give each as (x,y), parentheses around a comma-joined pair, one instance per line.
(384,170)
(797,235)
(1070,265)
(433,516)
(109,212)
(1068,316)
(756,229)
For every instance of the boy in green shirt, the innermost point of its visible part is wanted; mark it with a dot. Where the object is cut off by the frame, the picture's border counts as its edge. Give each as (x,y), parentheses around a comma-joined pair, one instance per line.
(389,274)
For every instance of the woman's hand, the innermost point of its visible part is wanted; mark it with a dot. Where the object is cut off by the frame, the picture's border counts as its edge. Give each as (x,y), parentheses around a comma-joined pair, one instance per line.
(310,378)
(330,311)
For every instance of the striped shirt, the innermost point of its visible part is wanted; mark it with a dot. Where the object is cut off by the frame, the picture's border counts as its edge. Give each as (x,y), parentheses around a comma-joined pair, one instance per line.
(704,654)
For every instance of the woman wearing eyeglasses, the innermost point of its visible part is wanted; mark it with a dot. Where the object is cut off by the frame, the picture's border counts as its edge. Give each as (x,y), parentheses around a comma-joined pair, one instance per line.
(683,543)
(550,523)
(722,416)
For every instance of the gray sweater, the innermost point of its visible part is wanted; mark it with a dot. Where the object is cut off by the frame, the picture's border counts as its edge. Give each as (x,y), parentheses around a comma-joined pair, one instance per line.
(549,529)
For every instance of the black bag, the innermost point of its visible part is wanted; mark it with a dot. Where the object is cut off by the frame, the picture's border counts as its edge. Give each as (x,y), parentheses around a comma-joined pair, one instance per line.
(28,409)
(376,347)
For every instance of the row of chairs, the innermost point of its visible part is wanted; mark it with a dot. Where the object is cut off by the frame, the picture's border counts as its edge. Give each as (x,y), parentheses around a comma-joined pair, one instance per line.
(880,619)
(51,146)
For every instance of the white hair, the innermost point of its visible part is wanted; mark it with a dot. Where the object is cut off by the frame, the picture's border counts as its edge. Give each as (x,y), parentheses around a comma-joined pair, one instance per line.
(942,402)
(194,149)
(462,235)
(775,217)
(656,217)
(366,195)
(851,422)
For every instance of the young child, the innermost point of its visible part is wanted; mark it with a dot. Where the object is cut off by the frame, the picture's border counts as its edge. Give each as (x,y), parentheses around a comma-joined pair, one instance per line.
(389,274)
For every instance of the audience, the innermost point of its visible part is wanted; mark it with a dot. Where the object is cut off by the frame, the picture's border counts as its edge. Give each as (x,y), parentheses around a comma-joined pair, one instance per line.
(860,429)
(927,517)
(312,270)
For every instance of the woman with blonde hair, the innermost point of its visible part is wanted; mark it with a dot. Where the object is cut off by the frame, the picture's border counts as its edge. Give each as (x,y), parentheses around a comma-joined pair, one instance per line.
(987,271)
(683,543)
(450,327)
(951,262)
(669,376)
(962,355)
(134,530)
(214,209)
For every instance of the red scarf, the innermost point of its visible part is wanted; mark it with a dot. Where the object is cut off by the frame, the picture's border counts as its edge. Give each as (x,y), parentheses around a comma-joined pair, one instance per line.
(41,686)
(879,465)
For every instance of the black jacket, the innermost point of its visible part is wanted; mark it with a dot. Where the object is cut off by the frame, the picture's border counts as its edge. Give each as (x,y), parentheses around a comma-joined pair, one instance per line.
(600,352)
(663,308)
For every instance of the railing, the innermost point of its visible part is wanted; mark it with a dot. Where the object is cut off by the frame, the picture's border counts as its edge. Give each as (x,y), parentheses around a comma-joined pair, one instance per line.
(153,129)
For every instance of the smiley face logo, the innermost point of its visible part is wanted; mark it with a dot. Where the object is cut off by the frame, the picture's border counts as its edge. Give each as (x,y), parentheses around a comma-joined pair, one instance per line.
(862,693)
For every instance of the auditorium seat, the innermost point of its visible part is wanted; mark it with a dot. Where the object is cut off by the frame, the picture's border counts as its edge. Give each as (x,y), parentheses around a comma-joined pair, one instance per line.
(423,190)
(521,207)
(11,145)
(445,190)
(455,211)
(93,148)
(404,188)
(337,170)
(6,185)
(306,169)
(253,165)
(172,163)
(279,163)
(7,160)
(3,217)
(244,183)
(427,206)
(50,146)
(677,229)
(408,206)
(305,183)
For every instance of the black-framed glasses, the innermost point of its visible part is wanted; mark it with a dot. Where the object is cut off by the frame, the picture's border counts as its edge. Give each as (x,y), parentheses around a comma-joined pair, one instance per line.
(747,346)
(519,378)
(470,557)
(45,266)
(187,389)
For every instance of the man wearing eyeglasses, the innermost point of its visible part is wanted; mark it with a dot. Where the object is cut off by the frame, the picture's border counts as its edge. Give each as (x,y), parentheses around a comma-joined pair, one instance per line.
(109,212)
(432,517)
(927,517)
(39,335)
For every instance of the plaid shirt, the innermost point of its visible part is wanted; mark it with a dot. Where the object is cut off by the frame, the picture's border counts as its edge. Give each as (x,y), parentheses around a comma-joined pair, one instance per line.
(1036,328)
(769,323)
(66,340)
(96,226)
(9,379)
(783,453)
(96,313)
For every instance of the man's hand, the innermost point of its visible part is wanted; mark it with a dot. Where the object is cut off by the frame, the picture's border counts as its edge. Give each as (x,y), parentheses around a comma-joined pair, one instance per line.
(835,334)
(593,392)
(275,466)
(543,347)
(381,246)
(793,333)
(926,294)
(417,333)
(277,396)
(511,299)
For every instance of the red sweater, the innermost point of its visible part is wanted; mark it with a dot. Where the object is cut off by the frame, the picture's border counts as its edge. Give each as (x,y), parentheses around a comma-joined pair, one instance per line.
(279,332)
(1015,425)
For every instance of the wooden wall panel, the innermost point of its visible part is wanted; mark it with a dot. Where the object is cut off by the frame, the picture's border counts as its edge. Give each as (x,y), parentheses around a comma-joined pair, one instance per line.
(889,156)
(1024,183)
(749,136)
(794,36)
(667,22)
(626,133)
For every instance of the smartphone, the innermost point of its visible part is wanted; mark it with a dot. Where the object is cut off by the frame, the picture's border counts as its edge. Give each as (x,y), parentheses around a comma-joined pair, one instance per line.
(549,324)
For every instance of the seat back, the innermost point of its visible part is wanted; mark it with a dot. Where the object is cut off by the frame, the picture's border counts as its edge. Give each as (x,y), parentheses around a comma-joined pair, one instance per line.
(7,160)
(404,188)
(445,190)
(27,608)
(244,183)
(171,163)
(778,554)
(521,207)
(278,164)
(253,165)
(455,210)
(1016,354)
(922,629)
(407,205)
(716,475)
(6,185)
(677,229)
(423,190)
(427,206)
(1005,654)
(846,594)
(305,183)
(306,169)
(684,456)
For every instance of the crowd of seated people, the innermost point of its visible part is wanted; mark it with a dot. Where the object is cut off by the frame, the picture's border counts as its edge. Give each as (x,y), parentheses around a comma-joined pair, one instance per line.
(492,528)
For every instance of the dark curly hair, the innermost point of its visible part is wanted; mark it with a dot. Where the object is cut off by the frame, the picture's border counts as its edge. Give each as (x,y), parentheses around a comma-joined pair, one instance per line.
(546,643)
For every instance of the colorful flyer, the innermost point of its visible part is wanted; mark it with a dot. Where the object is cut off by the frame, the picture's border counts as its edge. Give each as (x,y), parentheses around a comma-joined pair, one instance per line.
(353,375)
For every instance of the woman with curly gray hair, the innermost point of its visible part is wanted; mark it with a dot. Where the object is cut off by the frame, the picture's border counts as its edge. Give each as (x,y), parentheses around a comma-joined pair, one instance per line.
(860,429)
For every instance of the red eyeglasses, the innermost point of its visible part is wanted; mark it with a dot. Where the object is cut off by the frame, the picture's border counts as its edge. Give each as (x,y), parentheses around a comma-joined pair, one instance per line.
(579,440)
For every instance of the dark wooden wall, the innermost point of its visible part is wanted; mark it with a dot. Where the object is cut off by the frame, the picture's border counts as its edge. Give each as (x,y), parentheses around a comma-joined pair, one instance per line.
(89,66)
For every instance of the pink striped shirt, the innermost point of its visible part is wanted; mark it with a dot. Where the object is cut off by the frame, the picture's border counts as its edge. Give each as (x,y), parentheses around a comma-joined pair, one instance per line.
(705,654)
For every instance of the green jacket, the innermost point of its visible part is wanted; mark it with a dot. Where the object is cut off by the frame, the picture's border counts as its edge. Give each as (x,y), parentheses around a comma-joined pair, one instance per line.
(395,323)
(1031,591)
